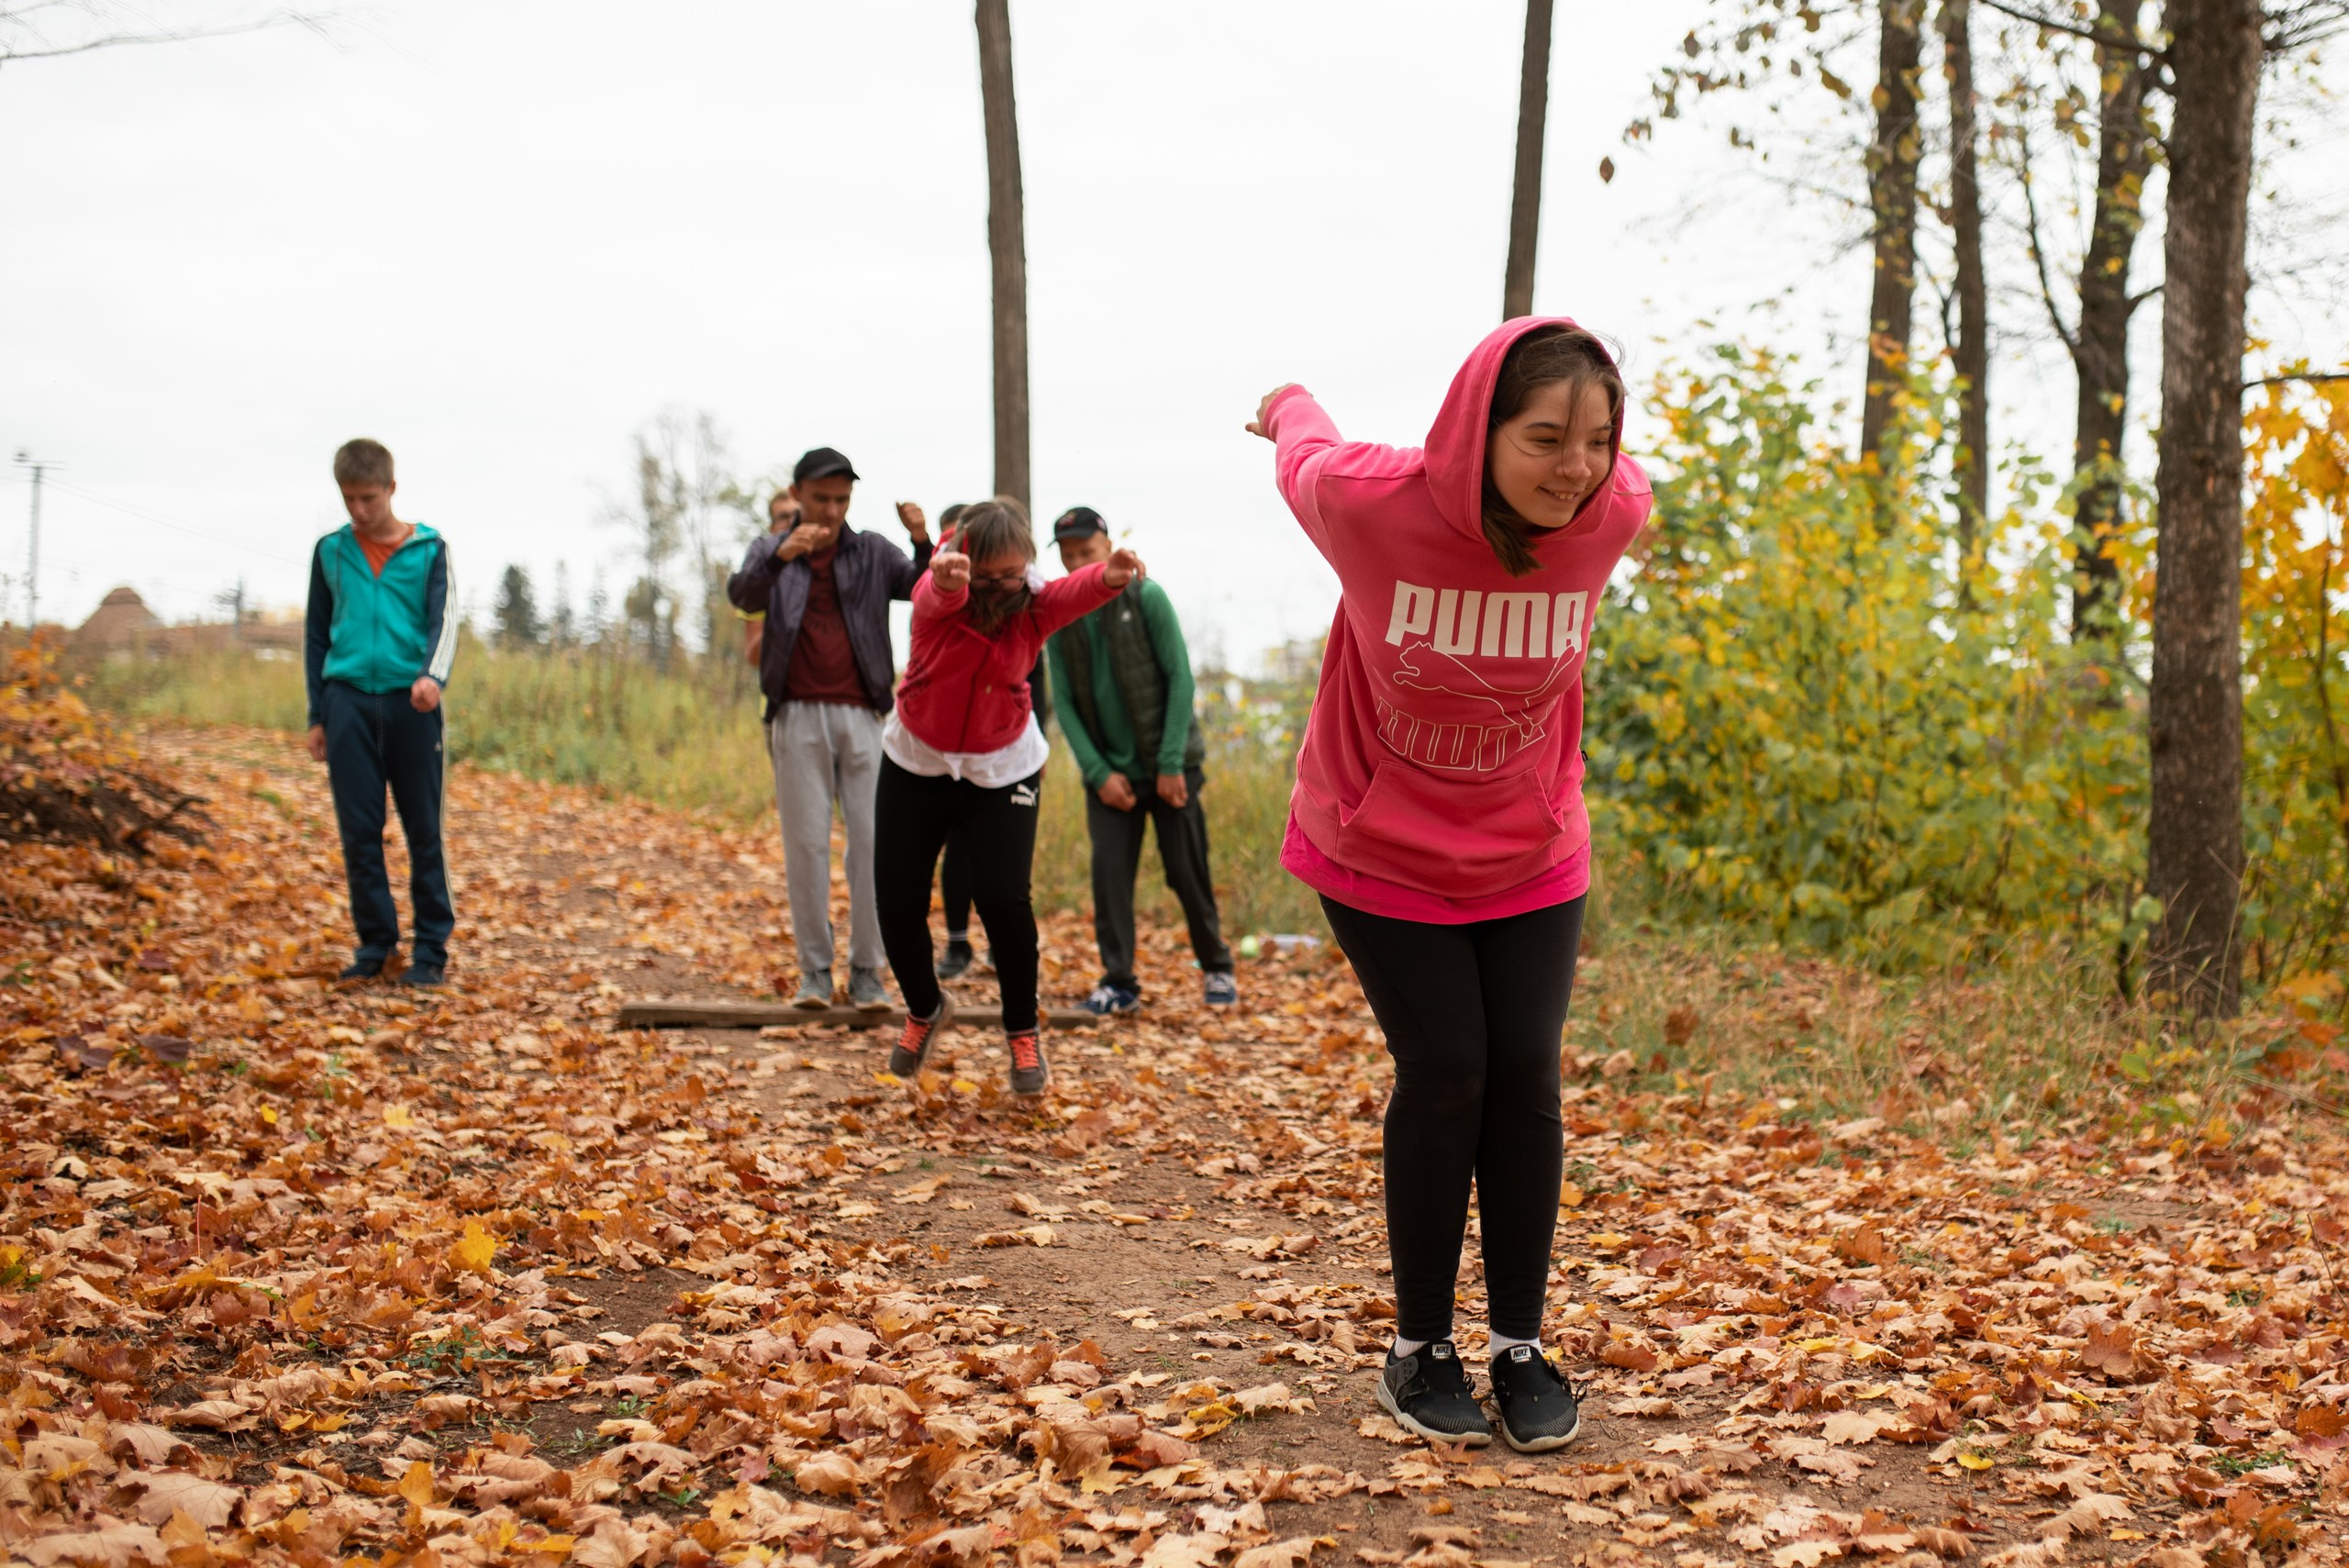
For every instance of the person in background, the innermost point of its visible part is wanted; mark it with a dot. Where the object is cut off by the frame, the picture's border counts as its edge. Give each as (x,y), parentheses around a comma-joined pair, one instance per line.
(955,873)
(827,676)
(1124,675)
(378,641)
(781,512)
(966,759)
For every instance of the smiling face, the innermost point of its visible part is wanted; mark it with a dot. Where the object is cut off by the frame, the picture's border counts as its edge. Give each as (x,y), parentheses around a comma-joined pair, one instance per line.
(1555,453)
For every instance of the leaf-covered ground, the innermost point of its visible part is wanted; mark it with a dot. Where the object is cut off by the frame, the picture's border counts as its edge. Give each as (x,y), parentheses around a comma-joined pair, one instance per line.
(340,1276)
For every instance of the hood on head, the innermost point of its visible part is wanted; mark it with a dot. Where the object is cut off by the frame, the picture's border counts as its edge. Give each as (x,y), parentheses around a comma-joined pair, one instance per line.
(1454,453)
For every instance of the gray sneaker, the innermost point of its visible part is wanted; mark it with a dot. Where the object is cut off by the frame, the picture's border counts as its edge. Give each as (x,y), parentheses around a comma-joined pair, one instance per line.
(815,991)
(866,991)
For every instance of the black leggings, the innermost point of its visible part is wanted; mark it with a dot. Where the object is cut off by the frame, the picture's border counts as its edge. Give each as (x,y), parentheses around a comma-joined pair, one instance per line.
(1473,1016)
(995,831)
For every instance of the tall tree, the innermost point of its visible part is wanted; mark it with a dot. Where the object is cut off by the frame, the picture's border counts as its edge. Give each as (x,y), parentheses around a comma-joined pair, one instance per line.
(2194,836)
(1007,250)
(516,611)
(1971,351)
(1525,197)
(2100,345)
(1892,206)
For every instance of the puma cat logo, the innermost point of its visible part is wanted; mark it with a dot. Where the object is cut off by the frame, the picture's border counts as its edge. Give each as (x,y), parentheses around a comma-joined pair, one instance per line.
(1023,794)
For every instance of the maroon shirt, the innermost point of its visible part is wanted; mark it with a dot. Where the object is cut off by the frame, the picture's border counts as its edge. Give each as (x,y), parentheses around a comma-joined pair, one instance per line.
(823,666)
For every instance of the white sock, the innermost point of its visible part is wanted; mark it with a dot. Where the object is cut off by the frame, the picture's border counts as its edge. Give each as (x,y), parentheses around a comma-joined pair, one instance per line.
(1404,1347)
(1502,1342)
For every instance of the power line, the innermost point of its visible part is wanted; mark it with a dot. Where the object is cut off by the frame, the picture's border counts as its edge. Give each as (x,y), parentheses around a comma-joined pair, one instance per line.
(95,500)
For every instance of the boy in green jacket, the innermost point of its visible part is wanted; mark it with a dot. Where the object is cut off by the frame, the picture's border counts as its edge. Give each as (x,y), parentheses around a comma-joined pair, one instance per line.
(1123,677)
(378,643)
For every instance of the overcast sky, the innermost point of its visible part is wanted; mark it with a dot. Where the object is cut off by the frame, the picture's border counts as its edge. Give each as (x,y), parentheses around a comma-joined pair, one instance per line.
(500,237)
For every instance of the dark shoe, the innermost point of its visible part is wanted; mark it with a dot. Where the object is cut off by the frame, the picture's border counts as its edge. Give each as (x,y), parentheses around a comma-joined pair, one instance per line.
(815,992)
(958,958)
(919,1035)
(1428,1392)
(1222,990)
(362,969)
(1029,1071)
(423,976)
(866,991)
(1108,1001)
(1538,1408)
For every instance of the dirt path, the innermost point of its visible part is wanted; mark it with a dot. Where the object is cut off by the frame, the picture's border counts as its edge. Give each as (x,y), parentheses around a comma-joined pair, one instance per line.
(643,1298)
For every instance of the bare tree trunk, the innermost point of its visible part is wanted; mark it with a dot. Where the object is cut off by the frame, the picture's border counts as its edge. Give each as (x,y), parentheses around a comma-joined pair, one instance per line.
(1525,201)
(1007,250)
(1972,351)
(2100,350)
(1892,200)
(2194,861)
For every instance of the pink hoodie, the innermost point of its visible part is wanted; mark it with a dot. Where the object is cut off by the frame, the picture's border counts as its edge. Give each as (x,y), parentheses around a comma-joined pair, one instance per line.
(1441,777)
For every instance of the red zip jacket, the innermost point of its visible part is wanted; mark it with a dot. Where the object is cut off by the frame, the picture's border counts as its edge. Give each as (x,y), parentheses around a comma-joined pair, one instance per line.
(967,691)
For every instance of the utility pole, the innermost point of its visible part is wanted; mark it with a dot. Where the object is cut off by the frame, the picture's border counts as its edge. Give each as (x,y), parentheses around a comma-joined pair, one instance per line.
(32,549)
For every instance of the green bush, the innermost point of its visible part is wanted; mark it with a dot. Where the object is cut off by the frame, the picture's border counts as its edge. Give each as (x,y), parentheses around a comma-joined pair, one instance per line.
(1797,717)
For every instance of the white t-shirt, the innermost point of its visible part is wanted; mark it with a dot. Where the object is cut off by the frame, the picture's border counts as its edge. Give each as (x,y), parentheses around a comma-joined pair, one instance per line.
(988,769)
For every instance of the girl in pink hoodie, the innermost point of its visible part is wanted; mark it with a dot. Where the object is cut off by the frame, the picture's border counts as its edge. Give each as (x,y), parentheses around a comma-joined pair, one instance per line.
(1438,812)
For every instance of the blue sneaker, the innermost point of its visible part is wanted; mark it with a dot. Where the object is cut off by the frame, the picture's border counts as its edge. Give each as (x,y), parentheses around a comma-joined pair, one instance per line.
(1222,990)
(1109,1001)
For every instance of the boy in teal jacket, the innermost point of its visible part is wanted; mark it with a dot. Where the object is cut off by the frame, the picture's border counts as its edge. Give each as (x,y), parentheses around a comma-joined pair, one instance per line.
(378,643)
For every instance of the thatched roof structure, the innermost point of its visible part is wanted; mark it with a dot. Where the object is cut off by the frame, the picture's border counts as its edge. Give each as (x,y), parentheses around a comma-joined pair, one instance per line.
(121,621)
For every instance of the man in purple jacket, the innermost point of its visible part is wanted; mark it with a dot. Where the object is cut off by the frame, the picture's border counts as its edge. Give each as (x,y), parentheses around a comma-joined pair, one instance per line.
(827,673)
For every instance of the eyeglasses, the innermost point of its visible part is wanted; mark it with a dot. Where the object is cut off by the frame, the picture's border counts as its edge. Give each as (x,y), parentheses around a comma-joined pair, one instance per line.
(1000,585)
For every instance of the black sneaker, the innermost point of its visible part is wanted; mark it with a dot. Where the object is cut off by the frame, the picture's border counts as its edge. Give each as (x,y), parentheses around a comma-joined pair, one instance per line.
(914,1044)
(1537,1406)
(958,959)
(1427,1391)
(1029,1071)
(362,969)
(422,976)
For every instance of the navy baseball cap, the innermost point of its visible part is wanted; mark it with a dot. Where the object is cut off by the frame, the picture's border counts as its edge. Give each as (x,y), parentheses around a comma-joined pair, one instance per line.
(821,463)
(1078,522)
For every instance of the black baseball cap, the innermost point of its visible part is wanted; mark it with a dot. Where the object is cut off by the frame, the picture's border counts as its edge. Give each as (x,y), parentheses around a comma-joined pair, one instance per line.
(821,463)
(1078,522)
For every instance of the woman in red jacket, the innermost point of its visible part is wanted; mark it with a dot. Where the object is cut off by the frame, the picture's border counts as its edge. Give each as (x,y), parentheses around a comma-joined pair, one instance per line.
(964,755)
(1439,812)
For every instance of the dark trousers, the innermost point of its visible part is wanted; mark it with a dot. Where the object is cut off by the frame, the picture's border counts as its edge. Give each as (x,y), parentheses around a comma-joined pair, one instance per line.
(375,740)
(1473,1016)
(1117,860)
(913,817)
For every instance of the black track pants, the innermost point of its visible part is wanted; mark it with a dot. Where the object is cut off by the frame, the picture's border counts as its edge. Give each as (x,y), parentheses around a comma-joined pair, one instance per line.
(375,740)
(994,834)
(1473,1016)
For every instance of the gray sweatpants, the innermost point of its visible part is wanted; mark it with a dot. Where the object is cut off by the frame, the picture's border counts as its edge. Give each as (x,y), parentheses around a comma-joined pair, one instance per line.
(826,754)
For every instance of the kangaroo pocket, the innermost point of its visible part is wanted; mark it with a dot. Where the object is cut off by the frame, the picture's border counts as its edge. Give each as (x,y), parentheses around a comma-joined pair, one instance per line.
(1455,835)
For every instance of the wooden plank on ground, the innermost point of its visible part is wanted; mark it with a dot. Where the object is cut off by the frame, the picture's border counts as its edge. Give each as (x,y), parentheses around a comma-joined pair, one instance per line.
(665,1012)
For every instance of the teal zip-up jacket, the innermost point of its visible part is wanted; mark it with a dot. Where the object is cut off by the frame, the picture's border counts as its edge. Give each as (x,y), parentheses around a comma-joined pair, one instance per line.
(378,633)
